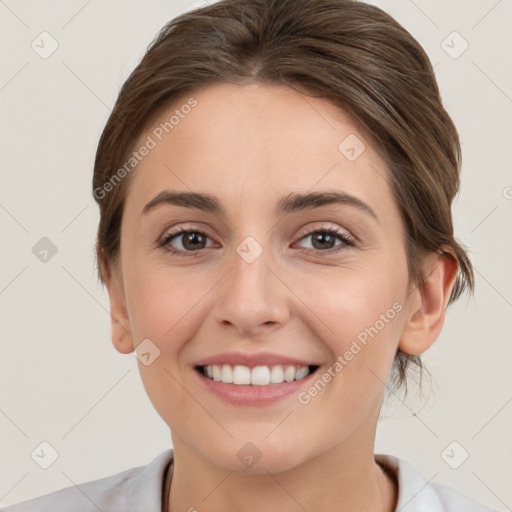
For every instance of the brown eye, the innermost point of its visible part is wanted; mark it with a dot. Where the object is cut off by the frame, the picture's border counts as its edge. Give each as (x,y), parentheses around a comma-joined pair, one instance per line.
(324,240)
(190,241)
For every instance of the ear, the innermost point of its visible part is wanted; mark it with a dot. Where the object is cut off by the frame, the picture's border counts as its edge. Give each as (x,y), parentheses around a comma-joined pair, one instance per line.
(121,331)
(428,304)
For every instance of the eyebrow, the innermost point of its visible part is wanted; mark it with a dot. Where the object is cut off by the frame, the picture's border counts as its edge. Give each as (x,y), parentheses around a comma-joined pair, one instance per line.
(293,202)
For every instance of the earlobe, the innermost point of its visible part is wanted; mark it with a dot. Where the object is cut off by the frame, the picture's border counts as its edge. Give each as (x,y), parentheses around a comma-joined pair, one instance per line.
(121,331)
(428,304)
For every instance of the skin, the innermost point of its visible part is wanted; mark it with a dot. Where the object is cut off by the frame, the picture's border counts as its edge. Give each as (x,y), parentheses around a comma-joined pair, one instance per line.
(250,146)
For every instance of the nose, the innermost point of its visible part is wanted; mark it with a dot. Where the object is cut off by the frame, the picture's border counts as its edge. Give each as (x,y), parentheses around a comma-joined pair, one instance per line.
(252,298)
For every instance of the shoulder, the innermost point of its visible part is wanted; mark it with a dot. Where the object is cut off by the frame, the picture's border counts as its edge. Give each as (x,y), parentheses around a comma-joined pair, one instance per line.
(415,494)
(134,489)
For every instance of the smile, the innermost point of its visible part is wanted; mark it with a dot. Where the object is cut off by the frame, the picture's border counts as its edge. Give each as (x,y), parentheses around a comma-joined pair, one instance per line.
(257,376)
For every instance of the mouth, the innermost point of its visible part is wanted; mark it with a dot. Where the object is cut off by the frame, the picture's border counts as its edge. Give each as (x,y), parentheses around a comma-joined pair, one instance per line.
(240,375)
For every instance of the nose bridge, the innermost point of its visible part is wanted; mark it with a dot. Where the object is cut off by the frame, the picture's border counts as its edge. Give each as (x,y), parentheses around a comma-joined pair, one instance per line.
(250,277)
(251,294)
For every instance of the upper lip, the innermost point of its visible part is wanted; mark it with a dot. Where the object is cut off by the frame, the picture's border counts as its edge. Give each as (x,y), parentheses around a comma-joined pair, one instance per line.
(251,360)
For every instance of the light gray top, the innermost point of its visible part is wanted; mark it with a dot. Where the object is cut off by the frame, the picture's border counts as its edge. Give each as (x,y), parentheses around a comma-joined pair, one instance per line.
(140,489)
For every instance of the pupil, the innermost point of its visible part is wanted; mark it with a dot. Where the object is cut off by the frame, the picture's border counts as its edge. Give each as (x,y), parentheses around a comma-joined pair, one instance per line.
(192,238)
(324,238)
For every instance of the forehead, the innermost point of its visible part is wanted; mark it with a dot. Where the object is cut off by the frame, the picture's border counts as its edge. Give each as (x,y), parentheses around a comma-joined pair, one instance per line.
(253,144)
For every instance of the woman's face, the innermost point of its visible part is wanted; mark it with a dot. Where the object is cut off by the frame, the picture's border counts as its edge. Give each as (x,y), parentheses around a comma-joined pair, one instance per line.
(259,278)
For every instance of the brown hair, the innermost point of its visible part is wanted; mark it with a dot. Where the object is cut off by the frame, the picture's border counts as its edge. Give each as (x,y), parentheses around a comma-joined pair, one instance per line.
(350,52)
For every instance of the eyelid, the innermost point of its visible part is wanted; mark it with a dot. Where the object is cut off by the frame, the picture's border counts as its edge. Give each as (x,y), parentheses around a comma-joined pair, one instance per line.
(326,227)
(170,231)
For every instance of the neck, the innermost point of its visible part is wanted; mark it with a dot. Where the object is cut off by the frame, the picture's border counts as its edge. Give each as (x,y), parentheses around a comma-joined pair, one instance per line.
(339,478)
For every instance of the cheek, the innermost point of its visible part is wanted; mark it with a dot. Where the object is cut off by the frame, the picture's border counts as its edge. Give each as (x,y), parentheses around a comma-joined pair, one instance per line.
(363,319)
(169,305)
(161,301)
(349,300)
(360,323)
(163,307)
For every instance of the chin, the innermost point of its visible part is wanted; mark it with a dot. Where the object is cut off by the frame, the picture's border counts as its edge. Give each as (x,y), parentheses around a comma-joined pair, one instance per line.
(255,458)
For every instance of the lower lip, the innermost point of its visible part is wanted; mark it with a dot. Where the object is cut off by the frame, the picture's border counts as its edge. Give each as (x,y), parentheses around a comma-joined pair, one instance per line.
(254,395)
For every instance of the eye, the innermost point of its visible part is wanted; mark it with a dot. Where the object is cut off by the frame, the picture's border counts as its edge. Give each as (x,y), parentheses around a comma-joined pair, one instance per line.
(191,241)
(324,238)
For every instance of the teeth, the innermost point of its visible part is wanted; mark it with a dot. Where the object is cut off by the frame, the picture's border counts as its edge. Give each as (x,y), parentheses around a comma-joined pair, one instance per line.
(241,375)
(260,376)
(289,373)
(226,374)
(257,376)
(301,372)
(277,375)
(216,373)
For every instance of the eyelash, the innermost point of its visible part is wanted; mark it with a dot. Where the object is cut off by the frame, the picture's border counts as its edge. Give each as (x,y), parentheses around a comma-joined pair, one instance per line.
(347,241)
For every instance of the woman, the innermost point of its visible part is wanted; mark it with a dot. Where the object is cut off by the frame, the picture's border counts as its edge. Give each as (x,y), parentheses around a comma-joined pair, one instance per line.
(275,186)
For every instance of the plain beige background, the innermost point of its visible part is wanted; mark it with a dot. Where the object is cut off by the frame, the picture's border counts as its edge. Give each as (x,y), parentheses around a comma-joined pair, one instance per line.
(63,383)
